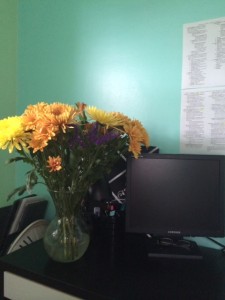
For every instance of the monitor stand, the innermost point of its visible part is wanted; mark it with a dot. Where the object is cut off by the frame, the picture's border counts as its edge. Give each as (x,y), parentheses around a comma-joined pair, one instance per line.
(178,248)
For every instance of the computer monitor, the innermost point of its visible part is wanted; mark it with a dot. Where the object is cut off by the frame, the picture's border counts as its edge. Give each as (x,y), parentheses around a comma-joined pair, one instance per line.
(176,195)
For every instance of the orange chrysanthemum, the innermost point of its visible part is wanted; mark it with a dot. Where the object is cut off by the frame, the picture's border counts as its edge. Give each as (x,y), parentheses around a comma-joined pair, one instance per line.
(60,115)
(46,120)
(54,163)
(137,136)
(39,141)
(31,116)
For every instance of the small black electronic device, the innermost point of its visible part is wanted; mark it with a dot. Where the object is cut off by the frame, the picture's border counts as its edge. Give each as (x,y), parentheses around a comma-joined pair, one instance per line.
(18,216)
(175,196)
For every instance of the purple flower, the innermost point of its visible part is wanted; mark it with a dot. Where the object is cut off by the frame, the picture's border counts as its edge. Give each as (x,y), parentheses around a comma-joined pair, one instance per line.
(94,136)
(97,138)
(76,139)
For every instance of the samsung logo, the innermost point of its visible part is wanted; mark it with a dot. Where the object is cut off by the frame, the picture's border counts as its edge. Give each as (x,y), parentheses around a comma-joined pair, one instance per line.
(174,232)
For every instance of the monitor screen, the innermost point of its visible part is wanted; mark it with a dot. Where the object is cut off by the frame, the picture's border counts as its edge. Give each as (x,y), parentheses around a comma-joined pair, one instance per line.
(176,195)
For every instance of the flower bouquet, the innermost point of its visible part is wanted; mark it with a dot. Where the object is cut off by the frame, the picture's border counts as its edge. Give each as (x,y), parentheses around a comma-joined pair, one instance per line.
(69,149)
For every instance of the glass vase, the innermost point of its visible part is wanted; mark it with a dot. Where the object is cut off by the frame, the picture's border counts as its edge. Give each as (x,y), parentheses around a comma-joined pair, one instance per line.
(66,238)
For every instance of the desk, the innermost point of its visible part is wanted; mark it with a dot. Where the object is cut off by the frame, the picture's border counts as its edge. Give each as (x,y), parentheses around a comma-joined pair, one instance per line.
(112,270)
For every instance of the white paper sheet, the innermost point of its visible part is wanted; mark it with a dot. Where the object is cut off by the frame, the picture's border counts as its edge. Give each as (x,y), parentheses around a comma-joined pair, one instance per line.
(202,128)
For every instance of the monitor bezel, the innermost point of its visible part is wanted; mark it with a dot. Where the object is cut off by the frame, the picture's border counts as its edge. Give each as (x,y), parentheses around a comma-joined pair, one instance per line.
(220,232)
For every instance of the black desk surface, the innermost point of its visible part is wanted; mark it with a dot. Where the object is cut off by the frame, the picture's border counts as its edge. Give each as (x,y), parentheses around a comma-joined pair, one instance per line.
(120,270)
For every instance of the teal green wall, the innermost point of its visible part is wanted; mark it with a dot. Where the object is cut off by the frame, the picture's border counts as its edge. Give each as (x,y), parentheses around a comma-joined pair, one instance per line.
(121,55)
(8,86)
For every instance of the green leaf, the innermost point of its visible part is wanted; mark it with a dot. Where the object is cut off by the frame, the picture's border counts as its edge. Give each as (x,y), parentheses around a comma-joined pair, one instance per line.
(18,158)
(32,179)
(19,190)
(14,159)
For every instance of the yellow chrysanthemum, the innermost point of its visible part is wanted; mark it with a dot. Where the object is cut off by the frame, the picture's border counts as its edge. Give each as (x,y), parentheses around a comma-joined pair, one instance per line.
(12,134)
(110,119)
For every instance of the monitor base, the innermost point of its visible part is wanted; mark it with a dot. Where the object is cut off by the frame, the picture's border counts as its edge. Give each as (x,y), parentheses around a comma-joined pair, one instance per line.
(168,247)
